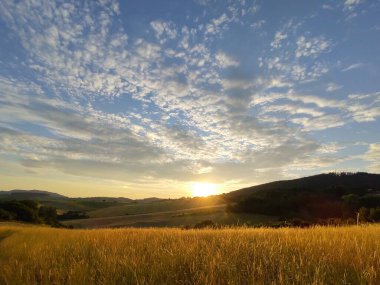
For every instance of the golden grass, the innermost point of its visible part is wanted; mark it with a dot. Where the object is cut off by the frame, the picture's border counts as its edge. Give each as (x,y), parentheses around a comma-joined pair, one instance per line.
(321,255)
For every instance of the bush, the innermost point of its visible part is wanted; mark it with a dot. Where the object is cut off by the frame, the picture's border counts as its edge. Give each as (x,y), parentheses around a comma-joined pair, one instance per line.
(5,215)
(374,214)
(363,214)
(300,223)
(28,211)
(205,224)
(25,211)
(49,215)
(72,215)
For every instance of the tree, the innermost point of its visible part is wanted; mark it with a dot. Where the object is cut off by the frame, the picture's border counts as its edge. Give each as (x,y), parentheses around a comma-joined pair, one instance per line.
(25,211)
(49,215)
(374,214)
(352,201)
(5,215)
(363,214)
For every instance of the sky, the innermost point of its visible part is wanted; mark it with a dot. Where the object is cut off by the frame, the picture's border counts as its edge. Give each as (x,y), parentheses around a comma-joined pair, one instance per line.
(147,98)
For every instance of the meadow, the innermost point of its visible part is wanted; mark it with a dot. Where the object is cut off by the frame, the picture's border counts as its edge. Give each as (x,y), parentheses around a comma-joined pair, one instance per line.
(318,255)
(176,218)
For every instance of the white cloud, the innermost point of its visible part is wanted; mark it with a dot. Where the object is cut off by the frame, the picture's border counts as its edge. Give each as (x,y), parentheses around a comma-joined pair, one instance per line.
(353,66)
(319,123)
(350,4)
(327,7)
(78,55)
(290,62)
(358,107)
(279,37)
(180,113)
(312,46)
(364,107)
(226,61)
(331,87)
(164,29)
(373,156)
(373,152)
(258,24)
(217,24)
(330,148)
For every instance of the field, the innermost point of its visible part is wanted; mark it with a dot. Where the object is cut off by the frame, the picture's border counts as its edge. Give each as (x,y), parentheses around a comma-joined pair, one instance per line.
(176,218)
(320,255)
(167,213)
(142,207)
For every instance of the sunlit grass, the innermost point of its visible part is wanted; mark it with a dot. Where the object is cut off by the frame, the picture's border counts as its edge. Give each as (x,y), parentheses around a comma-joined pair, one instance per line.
(38,255)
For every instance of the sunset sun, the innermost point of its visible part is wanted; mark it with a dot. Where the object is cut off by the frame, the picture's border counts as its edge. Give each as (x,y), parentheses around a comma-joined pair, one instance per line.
(200,189)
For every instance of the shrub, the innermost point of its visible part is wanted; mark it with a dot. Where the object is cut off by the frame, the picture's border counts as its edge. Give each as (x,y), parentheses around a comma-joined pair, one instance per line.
(374,214)
(205,224)
(5,215)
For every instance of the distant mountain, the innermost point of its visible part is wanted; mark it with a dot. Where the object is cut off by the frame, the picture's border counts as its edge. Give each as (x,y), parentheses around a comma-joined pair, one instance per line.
(62,202)
(150,200)
(103,199)
(17,194)
(360,180)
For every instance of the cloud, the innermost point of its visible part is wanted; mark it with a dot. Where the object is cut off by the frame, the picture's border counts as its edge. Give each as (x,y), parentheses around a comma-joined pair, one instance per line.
(325,112)
(218,24)
(327,7)
(78,54)
(373,152)
(164,29)
(330,148)
(373,156)
(319,123)
(257,25)
(312,46)
(364,107)
(350,4)
(165,103)
(353,66)
(331,87)
(291,62)
(279,37)
(293,110)
(226,61)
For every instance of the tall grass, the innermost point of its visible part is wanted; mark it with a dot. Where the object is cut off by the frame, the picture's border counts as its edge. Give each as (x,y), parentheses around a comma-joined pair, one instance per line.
(321,255)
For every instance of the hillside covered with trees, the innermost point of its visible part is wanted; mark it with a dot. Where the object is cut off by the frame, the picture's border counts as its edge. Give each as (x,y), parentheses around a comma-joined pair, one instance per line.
(314,199)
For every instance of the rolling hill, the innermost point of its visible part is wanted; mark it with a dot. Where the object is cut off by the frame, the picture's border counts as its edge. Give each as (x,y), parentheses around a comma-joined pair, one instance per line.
(354,181)
(314,199)
(61,202)
(17,194)
(318,196)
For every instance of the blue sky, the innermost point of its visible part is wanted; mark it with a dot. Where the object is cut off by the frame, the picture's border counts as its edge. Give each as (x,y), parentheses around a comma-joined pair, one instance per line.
(146,98)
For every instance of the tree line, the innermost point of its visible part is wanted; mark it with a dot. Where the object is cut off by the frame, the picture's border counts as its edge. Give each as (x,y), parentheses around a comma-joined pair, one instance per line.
(32,212)
(313,206)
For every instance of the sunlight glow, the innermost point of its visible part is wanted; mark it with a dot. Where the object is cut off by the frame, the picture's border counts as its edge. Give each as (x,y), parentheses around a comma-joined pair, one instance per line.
(200,189)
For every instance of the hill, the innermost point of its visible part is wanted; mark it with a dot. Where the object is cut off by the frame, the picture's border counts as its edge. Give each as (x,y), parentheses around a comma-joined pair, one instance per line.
(351,181)
(311,199)
(61,202)
(17,194)
(315,198)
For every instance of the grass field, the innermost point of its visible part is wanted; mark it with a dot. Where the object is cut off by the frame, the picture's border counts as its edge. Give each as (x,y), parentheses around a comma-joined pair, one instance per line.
(176,218)
(142,207)
(321,255)
(168,213)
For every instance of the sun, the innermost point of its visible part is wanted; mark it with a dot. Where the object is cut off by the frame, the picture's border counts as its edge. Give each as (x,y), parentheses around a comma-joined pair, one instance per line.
(200,189)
